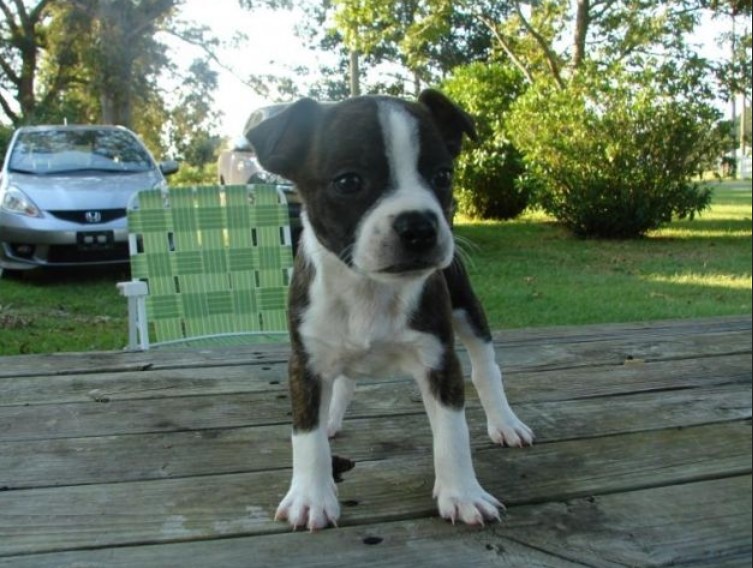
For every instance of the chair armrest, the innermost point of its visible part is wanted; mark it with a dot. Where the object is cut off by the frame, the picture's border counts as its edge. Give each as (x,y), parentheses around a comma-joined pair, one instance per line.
(138,332)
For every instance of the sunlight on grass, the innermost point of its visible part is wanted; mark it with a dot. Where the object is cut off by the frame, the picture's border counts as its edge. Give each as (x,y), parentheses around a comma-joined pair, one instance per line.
(733,281)
(698,232)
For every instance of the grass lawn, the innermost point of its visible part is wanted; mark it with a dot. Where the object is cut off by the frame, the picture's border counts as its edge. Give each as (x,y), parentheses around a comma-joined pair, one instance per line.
(528,272)
(531,272)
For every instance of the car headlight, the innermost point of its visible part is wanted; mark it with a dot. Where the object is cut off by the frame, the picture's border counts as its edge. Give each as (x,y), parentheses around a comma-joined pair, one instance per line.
(16,201)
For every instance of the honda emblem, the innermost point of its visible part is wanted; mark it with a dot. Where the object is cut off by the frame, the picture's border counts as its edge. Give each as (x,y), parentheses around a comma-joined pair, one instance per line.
(93,217)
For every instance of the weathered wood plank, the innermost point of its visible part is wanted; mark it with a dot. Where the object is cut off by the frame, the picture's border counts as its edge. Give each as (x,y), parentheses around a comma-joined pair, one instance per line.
(421,543)
(613,344)
(109,412)
(560,384)
(56,459)
(618,351)
(214,506)
(142,385)
(61,364)
(700,524)
(695,326)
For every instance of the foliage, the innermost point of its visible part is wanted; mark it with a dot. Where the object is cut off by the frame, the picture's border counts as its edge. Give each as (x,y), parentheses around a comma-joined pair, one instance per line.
(611,160)
(88,61)
(21,39)
(488,171)
(193,119)
(5,135)
(189,174)
(427,37)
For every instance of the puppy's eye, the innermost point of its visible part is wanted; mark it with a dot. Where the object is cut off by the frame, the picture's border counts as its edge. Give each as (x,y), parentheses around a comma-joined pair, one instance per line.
(348,184)
(443,179)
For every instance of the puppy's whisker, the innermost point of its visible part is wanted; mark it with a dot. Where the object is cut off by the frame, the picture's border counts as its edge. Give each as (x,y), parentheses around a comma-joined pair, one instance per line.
(466,243)
(462,253)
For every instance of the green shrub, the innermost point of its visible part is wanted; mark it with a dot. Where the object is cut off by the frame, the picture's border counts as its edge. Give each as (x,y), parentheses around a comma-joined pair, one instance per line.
(194,175)
(611,162)
(487,171)
(5,135)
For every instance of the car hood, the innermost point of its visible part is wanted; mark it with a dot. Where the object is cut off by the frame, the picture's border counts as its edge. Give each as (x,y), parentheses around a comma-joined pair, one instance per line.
(78,191)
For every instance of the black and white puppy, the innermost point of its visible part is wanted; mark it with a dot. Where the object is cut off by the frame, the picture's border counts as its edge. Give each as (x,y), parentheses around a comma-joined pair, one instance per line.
(378,288)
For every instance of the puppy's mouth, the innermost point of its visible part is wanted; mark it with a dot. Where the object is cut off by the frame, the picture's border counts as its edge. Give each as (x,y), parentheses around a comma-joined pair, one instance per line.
(409,268)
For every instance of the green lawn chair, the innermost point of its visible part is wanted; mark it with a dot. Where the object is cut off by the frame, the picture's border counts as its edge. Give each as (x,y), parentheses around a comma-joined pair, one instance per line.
(210,265)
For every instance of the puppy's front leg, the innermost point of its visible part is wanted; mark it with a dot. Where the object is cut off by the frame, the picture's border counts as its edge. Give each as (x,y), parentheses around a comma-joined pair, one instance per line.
(457,491)
(470,324)
(312,498)
(342,395)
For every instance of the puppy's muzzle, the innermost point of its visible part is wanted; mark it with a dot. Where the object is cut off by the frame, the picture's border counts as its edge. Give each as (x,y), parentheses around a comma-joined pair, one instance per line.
(416,243)
(417,230)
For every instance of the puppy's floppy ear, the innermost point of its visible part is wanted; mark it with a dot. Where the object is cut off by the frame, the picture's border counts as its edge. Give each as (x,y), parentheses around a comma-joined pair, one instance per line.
(453,121)
(282,141)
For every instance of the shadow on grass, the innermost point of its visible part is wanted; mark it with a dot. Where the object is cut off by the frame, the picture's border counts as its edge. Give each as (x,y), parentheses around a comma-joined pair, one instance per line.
(69,276)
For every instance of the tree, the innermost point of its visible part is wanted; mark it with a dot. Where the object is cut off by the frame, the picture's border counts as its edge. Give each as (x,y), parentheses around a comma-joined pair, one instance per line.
(22,39)
(427,37)
(125,57)
(192,120)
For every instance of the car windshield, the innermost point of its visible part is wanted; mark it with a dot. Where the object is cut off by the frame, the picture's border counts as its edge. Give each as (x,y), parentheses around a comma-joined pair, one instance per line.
(47,152)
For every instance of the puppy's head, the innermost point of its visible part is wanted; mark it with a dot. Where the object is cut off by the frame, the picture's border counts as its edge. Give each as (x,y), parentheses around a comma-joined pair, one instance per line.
(375,175)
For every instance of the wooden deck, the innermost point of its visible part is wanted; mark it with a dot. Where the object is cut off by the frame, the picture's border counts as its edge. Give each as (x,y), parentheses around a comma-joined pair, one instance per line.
(172,459)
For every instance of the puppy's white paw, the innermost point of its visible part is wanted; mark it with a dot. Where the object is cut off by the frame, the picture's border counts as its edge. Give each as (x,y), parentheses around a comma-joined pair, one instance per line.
(509,430)
(469,503)
(333,429)
(311,505)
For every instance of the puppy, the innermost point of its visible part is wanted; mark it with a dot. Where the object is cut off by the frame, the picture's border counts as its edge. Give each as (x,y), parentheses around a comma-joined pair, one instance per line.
(378,288)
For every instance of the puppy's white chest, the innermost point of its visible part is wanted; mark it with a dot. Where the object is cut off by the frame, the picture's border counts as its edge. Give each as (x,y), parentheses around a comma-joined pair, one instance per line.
(362,330)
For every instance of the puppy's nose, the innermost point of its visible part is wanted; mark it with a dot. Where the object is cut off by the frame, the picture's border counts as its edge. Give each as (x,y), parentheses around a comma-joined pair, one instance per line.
(417,230)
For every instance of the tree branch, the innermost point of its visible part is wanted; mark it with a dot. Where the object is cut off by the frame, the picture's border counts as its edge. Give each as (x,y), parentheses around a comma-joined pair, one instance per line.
(8,110)
(9,18)
(549,54)
(10,73)
(506,47)
(36,13)
(196,42)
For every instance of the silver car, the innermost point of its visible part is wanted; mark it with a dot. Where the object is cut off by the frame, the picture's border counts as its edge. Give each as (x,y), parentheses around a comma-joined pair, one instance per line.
(64,192)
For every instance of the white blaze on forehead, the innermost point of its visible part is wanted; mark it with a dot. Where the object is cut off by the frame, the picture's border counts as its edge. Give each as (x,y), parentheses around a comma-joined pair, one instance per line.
(400,131)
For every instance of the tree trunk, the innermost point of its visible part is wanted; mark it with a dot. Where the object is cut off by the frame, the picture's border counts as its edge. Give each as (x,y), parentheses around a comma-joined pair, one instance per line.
(582,21)
(355,74)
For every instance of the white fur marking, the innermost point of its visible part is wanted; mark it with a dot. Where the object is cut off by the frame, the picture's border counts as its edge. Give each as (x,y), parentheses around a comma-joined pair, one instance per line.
(503,425)
(401,141)
(312,498)
(459,494)
(341,397)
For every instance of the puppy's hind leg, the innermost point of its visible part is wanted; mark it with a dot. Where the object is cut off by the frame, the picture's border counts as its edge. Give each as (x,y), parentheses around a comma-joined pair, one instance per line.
(341,396)
(471,326)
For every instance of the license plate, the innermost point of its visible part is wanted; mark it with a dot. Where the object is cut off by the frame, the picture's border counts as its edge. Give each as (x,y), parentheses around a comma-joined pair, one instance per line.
(95,240)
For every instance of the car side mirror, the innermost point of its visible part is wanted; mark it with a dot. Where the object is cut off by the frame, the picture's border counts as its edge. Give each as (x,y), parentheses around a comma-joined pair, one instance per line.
(169,167)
